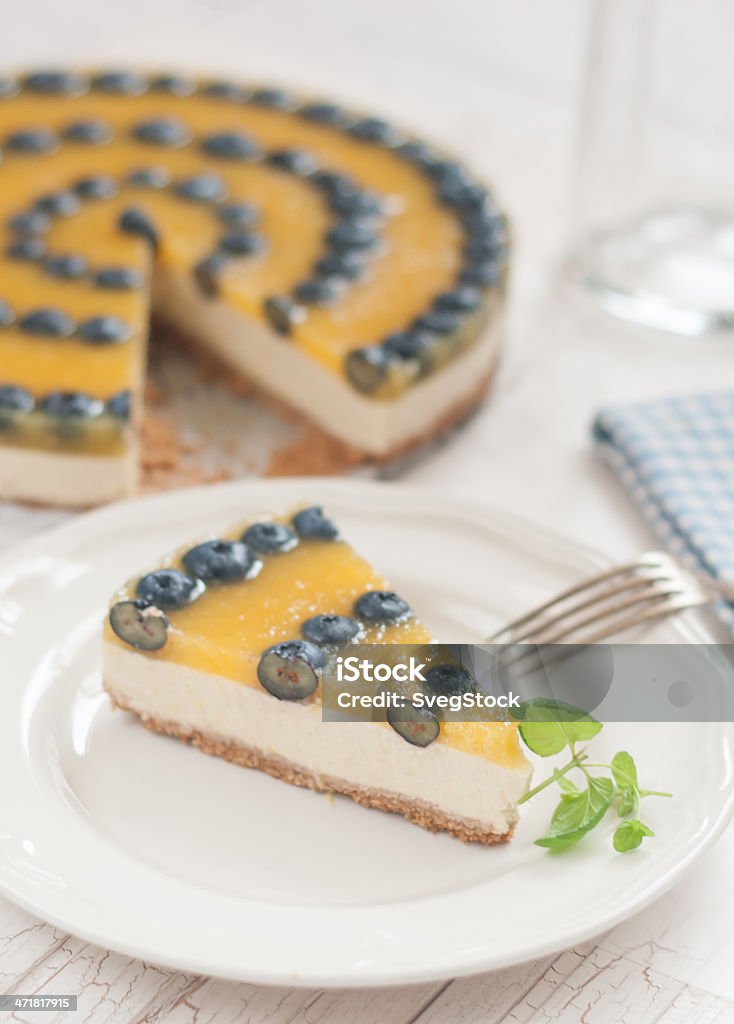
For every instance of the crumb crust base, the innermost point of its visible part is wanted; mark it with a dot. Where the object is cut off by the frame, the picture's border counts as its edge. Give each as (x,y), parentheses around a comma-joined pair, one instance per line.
(418,812)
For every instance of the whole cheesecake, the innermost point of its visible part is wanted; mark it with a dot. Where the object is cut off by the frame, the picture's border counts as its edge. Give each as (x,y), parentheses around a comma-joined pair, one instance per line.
(344,267)
(223,645)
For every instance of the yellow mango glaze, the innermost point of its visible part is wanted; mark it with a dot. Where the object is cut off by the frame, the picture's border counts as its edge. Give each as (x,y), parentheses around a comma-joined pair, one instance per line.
(419,255)
(226,629)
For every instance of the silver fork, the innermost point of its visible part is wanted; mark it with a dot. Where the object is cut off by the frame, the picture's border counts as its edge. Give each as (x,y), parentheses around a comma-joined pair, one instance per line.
(652,587)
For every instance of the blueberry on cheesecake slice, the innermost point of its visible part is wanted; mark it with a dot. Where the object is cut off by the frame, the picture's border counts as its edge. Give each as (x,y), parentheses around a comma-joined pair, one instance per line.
(225,642)
(139,624)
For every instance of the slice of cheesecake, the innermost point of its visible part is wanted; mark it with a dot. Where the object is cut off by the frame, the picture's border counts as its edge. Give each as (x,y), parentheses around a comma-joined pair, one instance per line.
(222,645)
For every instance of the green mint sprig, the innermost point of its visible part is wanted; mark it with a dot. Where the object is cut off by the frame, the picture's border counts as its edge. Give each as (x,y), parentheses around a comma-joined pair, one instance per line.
(547,727)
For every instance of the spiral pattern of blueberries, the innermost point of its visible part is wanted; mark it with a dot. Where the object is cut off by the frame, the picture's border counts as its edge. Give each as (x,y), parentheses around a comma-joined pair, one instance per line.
(86,113)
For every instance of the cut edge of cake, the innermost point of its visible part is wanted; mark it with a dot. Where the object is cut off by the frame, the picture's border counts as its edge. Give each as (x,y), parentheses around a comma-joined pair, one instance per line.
(442,789)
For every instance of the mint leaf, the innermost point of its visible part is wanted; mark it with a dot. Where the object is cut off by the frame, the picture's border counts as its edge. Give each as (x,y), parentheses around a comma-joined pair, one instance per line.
(628,803)
(567,786)
(630,834)
(547,726)
(577,814)
(624,770)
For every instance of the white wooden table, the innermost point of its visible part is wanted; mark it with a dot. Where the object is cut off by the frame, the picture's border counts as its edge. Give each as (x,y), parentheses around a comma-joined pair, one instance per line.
(495,81)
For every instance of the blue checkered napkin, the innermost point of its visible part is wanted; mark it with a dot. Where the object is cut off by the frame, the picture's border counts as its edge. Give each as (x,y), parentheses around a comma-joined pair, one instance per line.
(676,458)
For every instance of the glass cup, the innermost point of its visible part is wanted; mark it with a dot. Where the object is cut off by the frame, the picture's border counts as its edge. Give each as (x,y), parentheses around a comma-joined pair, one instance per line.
(653,223)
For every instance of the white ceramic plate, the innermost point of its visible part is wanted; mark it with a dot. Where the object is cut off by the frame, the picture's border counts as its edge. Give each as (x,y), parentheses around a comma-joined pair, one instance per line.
(149,847)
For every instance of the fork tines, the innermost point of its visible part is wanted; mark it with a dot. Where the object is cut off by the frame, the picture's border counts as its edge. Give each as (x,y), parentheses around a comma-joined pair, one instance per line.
(606,604)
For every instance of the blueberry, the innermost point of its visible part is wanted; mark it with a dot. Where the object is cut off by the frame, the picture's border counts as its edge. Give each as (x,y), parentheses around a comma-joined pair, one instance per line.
(119,279)
(283,313)
(37,140)
(150,177)
(415,344)
(97,186)
(477,201)
(419,154)
(347,264)
(270,538)
(483,247)
(333,183)
(330,629)
(352,234)
(443,171)
(139,624)
(276,98)
(460,300)
(32,223)
(7,316)
(460,191)
(8,87)
(68,267)
(123,83)
(221,561)
(288,669)
(169,588)
(55,83)
(361,204)
(119,405)
(417,725)
(47,323)
(94,132)
(295,161)
(135,221)
(14,402)
(318,290)
(373,129)
(381,606)
(486,222)
(449,679)
(208,271)
(440,321)
(230,146)
(324,113)
(241,215)
(74,405)
(30,248)
(225,91)
(104,330)
(202,188)
(368,368)
(15,399)
(481,273)
(59,204)
(176,85)
(241,243)
(162,131)
(502,254)
(312,524)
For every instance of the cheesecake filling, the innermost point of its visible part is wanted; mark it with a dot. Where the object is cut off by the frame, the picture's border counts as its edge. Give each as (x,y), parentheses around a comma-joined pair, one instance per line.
(285,371)
(464,787)
(74,480)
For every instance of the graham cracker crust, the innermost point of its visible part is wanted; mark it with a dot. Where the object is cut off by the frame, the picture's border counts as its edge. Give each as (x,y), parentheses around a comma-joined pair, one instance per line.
(416,811)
